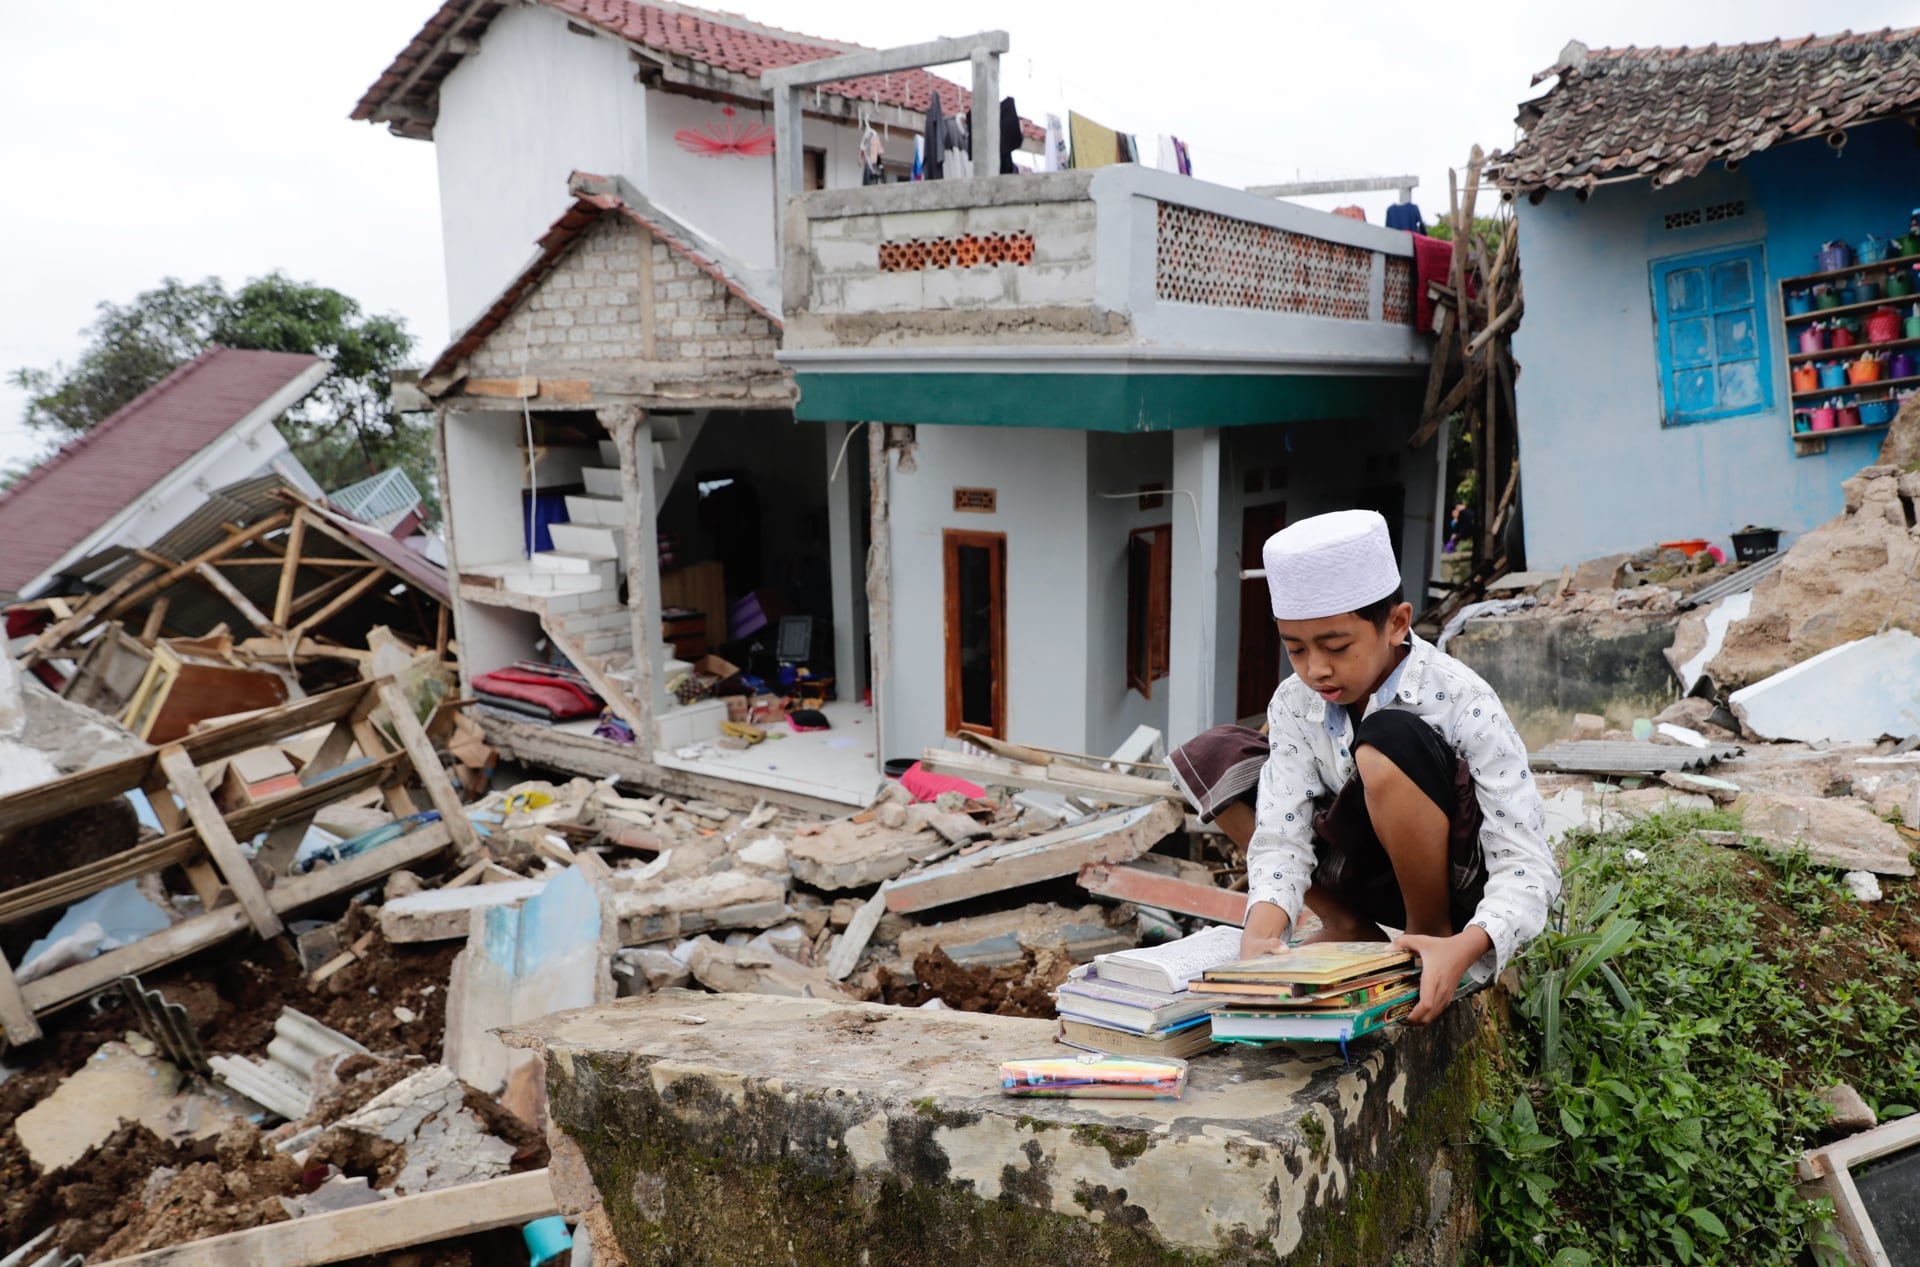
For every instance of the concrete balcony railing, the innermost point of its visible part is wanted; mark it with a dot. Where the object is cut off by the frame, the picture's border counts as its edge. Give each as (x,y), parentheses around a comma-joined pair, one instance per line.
(1120,262)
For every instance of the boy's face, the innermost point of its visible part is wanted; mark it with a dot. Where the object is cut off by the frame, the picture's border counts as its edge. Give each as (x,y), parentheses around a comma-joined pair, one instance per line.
(1344,657)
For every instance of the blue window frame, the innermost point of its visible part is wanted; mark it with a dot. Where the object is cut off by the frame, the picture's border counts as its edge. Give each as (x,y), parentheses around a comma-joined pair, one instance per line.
(1715,356)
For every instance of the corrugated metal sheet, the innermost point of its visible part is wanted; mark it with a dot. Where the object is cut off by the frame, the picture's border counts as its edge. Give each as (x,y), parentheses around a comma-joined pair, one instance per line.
(1612,757)
(1739,583)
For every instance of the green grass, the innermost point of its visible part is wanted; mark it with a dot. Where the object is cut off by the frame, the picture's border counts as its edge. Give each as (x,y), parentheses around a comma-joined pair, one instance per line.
(1672,1027)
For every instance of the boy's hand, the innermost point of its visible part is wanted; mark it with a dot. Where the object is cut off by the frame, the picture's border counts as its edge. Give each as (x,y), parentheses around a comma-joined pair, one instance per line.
(1443,961)
(1265,931)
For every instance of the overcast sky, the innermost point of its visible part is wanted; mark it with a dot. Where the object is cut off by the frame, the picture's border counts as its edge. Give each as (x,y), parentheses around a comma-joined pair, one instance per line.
(196,138)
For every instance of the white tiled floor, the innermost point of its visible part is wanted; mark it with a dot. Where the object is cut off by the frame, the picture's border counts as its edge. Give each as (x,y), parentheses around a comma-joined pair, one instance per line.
(834,765)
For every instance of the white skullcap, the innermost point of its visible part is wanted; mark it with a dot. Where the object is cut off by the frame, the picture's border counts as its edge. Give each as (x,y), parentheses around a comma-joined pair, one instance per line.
(1330,565)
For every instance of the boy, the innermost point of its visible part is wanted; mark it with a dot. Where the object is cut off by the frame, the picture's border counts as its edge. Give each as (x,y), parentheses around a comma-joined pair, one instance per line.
(1390,788)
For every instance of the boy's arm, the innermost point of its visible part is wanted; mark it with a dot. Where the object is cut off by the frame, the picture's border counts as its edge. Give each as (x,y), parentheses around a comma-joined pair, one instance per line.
(1280,855)
(1522,877)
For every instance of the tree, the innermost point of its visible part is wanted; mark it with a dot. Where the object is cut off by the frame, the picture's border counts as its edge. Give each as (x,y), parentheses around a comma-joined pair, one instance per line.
(345,430)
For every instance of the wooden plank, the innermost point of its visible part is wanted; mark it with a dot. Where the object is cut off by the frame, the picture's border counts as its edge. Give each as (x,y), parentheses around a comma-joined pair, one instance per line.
(66,626)
(246,821)
(156,620)
(295,718)
(17,1025)
(231,545)
(343,877)
(200,873)
(1169,893)
(522,388)
(241,603)
(1109,838)
(380,1228)
(426,765)
(339,604)
(1119,789)
(72,885)
(290,568)
(183,939)
(399,804)
(565,391)
(233,864)
(77,791)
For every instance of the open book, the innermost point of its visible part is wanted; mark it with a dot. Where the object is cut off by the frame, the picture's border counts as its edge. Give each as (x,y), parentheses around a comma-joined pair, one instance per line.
(1169,966)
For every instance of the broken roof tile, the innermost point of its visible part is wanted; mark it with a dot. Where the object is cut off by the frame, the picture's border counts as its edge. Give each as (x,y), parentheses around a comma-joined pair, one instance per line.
(1612,107)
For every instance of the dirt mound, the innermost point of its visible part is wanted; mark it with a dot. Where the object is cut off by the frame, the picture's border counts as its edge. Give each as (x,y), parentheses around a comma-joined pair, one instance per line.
(1846,579)
(238,1188)
(1015,989)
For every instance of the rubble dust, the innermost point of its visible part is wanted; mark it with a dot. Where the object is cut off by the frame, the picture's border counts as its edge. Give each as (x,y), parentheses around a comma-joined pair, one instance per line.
(1014,989)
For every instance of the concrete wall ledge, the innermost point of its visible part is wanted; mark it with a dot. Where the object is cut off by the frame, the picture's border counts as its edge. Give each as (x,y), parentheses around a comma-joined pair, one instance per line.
(945,195)
(697,1128)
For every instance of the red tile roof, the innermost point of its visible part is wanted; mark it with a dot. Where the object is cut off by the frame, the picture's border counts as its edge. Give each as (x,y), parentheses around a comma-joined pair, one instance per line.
(81,488)
(721,40)
(593,197)
(1665,113)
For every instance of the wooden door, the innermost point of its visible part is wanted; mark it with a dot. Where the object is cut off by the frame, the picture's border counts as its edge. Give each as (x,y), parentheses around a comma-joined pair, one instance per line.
(1260,660)
(976,581)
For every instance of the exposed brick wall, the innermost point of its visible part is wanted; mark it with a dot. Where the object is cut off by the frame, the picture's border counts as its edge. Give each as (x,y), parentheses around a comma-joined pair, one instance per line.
(587,319)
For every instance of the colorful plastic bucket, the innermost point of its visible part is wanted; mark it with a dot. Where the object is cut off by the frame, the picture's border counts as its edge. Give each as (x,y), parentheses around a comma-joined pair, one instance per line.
(1875,413)
(1866,369)
(1825,299)
(1689,547)
(1849,416)
(1806,378)
(1899,284)
(1832,256)
(1873,250)
(1823,418)
(1833,374)
(1903,365)
(1883,326)
(1912,327)
(1802,423)
(546,1239)
(1842,337)
(1799,303)
(1813,339)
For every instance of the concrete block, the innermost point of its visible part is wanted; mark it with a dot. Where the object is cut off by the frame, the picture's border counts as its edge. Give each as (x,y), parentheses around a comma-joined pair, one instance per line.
(1834,832)
(522,961)
(1048,284)
(907,226)
(969,287)
(1118,837)
(698,904)
(884,292)
(847,855)
(1853,693)
(851,258)
(447,914)
(845,1132)
(445,1143)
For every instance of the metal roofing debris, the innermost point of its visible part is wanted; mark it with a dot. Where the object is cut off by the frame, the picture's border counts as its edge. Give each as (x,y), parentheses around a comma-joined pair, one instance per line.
(1727,586)
(1666,113)
(1616,757)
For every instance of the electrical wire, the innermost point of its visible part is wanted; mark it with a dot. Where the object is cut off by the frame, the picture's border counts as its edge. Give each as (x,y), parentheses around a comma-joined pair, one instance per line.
(852,431)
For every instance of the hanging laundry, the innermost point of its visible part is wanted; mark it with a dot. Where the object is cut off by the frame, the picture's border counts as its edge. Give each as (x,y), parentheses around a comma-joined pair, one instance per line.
(958,160)
(1010,136)
(936,138)
(1173,156)
(1055,159)
(1093,145)
(873,155)
(1406,215)
(919,158)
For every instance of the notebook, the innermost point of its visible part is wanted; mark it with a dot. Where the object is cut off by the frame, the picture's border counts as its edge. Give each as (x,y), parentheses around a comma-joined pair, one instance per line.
(1188,1040)
(1316,963)
(1142,1011)
(1169,966)
(1332,1027)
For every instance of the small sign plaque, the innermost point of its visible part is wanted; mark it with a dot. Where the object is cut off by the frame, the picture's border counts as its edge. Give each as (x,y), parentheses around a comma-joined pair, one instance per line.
(979,501)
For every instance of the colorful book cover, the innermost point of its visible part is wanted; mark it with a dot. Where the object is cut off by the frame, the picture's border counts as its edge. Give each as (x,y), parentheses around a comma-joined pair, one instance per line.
(1315,963)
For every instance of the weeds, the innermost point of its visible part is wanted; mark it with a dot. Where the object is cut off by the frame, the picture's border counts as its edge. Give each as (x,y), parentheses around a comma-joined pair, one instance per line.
(1674,1023)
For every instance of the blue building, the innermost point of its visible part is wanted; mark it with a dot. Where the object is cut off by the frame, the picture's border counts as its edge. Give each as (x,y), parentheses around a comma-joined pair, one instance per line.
(1672,208)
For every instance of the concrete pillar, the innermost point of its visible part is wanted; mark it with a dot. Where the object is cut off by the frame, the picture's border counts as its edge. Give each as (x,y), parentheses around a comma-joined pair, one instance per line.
(1196,583)
(633,436)
(846,629)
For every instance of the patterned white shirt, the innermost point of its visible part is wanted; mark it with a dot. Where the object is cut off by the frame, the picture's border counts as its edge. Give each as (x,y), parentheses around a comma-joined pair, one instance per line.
(1312,756)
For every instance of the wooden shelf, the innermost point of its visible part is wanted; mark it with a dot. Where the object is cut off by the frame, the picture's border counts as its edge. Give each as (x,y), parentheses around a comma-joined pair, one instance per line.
(1801,357)
(1841,431)
(1844,309)
(1857,387)
(1850,270)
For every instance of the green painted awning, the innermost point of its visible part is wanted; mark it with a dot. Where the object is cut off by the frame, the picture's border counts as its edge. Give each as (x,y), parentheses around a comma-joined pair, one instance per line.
(1123,401)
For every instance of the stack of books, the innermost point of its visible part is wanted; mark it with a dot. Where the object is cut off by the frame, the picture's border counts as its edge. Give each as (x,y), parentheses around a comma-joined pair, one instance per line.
(1136,1002)
(1324,992)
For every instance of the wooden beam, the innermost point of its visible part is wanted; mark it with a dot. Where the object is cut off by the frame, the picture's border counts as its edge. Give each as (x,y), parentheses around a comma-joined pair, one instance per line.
(392,106)
(58,632)
(241,603)
(156,621)
(292,893)
(200,873)
(1119,789)
(523,388)
(432,774)
(320,617)
(321,593)
(887,61)
(185,938)
(366,1230)
(16,1018)
(231,545)
(290,568)
(185,780)
(70,886)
